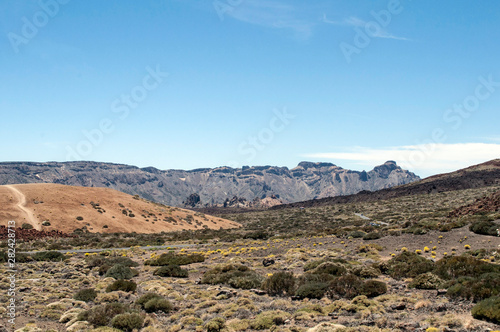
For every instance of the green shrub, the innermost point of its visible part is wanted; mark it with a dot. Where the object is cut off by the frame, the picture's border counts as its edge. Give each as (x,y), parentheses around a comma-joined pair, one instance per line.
(52,256)
(79,218)
(215,325)
(26,226)
(463,266)
(267,319)
(426,281)
(366,271)
(101,315)
(357,234)
(475,288)
(348,286)
(280,283)
(407,265)
(373,288)
(488,310)
(86,295)
(127,322)
(372,236)
(171,271)
(122,285)
(141,301)
(157,304)
(331,268)
(484,228)
(314,290)
(172,259)
(238,276)
(119,271)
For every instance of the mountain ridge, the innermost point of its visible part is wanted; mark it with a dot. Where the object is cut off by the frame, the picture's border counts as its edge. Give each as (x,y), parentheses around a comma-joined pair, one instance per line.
(214,186)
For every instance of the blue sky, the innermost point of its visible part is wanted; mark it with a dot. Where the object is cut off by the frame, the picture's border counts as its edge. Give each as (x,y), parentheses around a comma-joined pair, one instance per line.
(190,84)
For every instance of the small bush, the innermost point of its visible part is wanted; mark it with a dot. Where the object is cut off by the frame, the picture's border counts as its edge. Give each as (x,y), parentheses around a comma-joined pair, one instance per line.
(26,226)
(86,295)
(281,283)
(314,290)
(372,236)
(238,276)
(484,228)
(79,218)
(119,271)
(101,315)
(475,288)
(215,325)
(407,265)
(373,288)
(52,256)
(267,319)
(314,264)
(122,285)
(488,310)
(171,271)
(348,286)
(127,322)
(334,269)
(357,234)
(426,281)
(141,301)
(173,259)
(463,266)
(157,304)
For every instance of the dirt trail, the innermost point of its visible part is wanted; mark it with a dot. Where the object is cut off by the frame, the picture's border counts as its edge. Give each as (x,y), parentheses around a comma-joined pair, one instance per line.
(21,205)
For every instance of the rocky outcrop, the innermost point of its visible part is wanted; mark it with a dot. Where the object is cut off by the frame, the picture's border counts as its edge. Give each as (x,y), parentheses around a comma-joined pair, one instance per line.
(212,187)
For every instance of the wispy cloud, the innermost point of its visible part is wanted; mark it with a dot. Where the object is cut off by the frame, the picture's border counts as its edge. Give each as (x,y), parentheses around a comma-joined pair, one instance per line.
(354,21)
(273,14)
(425,159)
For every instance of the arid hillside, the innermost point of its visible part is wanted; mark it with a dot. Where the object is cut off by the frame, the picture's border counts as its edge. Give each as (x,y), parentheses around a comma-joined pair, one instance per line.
(66,208)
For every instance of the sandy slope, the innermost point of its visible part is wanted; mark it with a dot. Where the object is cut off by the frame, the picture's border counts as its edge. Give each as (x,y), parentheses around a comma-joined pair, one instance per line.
(102,210)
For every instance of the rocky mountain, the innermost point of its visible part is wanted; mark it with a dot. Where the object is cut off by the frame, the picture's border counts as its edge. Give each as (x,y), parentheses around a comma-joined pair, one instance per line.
(478,176)
(212,187)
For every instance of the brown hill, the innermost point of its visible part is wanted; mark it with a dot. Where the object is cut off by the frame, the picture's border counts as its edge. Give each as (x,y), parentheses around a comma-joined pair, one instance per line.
(478,176)
(66,208)
(486,204)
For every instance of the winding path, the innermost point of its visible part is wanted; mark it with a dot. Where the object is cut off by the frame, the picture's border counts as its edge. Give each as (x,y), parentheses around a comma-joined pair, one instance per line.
(21,205)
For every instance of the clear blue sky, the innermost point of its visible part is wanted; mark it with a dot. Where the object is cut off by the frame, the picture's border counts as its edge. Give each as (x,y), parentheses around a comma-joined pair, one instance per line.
(251,82)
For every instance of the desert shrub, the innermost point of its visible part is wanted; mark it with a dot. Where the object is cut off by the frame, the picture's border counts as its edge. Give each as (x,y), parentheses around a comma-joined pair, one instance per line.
(407,264)
(19,257)
(46,223)
(52,256)
(267,319)
(488,310)
(313,290)
(348,286)
(26,226)
(215,325)
(257,235)
(119,271)
(101,315)
(86,295)
(463,266)
(127,322)
(238,276)
(372,288)
(475,288)
(105,264)
(79,218)
(331,268)
(152,302)
(308,278)
(122,285)
(315,263)
(280,283)
(372,236)
(157,304)
(173,259)
(123,261)
(484,228)
(171,271)
(426,281)
(141,301)
(366,272)
(357,234)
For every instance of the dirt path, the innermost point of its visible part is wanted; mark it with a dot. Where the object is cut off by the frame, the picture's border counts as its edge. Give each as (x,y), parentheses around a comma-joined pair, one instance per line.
(21,205)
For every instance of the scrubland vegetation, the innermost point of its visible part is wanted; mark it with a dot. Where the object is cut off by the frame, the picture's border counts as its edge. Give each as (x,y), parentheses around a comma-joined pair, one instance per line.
(409,267)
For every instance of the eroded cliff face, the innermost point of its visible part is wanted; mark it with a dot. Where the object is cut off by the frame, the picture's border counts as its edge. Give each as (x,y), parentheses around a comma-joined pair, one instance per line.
(212,187)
